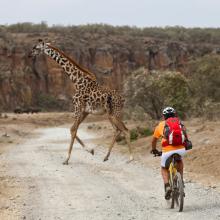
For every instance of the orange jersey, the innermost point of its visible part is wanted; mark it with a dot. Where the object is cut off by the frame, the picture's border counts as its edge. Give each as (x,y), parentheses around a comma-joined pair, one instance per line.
(158,133)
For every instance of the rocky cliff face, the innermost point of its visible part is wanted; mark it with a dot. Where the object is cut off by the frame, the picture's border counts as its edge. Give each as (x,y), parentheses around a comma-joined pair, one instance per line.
(26,82)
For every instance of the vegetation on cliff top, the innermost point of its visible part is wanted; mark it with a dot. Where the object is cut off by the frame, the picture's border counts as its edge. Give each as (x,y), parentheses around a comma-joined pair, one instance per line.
(177,33)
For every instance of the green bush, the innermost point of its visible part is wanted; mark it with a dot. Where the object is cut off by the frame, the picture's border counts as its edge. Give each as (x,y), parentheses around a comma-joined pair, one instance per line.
(133,134)
(205,78)
(205,85)
(48,102)
(144,132)
(152,92)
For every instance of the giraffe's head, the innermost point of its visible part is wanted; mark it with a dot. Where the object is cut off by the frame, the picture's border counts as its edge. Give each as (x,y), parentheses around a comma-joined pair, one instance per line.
(38,48)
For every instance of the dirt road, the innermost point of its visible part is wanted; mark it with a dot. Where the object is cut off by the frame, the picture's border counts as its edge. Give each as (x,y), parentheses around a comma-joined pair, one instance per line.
(38,186)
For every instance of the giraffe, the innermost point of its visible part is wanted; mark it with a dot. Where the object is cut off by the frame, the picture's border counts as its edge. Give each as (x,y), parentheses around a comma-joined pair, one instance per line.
(89,98)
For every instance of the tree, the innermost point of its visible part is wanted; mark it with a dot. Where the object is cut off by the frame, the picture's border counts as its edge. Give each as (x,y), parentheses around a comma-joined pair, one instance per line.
(205,84)
(152,92)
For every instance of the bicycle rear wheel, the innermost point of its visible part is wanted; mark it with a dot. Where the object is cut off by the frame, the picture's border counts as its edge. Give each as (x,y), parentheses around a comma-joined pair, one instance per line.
(172,200)
(172,195)
(179,191)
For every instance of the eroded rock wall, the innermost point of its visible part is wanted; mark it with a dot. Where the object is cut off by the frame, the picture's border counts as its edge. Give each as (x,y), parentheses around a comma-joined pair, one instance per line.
(111,58)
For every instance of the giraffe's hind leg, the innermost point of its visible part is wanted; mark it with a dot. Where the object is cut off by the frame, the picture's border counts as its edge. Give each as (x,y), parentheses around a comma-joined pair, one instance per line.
(117,132)
(120,127)
(128,140)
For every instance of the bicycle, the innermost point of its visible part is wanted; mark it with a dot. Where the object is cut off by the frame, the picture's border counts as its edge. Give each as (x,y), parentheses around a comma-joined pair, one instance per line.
(175,180)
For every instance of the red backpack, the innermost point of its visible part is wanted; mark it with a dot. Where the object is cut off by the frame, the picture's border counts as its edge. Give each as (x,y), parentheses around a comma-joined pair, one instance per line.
(174,132)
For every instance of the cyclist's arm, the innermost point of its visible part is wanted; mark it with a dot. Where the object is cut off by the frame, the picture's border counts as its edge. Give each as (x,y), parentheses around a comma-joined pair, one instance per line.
(156,136)
(154,143)
(184,131)
(154,147)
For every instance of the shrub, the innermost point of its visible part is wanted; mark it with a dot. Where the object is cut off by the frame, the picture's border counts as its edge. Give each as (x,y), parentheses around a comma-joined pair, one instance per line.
(152,92)
(205,85)
(133,134)
(48,102)
(144,132)
(205,77)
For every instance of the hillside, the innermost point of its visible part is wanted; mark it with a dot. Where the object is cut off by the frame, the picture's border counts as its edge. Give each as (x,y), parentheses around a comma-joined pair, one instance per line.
(112,53)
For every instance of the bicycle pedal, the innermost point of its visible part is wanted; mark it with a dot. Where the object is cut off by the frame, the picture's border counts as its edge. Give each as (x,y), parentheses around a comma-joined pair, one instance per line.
(168,194)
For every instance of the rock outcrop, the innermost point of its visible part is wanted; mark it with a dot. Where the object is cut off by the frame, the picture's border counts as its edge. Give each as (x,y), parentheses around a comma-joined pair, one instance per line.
(25,82)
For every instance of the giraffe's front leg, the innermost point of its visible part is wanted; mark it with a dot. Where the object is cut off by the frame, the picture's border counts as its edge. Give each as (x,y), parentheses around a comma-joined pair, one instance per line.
(117,123)
(73,131)
(91,151)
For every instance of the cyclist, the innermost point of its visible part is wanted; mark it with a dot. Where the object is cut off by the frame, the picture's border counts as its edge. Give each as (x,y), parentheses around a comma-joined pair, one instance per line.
(168,147)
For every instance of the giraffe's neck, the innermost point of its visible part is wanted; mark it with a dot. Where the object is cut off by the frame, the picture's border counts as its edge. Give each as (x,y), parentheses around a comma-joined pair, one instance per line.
(76,73)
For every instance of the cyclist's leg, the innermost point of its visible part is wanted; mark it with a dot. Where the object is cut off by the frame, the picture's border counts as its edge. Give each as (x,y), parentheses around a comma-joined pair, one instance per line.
(167,187)
(164,169)
(179,164)
(165,174)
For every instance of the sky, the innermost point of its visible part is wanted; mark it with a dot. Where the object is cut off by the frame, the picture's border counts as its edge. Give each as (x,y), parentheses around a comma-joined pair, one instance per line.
(140,13)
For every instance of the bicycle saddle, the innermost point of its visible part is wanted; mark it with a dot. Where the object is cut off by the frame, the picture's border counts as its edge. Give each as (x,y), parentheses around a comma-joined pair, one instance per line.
(176,157)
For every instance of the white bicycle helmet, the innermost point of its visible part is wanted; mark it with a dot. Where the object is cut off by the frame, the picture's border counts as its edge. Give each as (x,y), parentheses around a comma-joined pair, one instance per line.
(168,111)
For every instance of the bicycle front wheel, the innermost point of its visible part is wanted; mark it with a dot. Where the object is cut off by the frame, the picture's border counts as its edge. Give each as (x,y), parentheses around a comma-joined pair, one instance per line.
(179,194)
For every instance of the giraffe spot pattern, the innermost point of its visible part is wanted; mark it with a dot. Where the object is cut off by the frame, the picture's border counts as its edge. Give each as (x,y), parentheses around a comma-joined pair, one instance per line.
(90,96)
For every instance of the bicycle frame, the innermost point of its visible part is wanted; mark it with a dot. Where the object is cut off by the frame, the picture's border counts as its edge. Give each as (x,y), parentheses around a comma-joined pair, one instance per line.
(172,171)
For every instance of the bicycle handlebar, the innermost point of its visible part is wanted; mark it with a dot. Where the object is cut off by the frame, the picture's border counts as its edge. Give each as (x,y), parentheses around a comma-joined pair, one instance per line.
(156,153)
